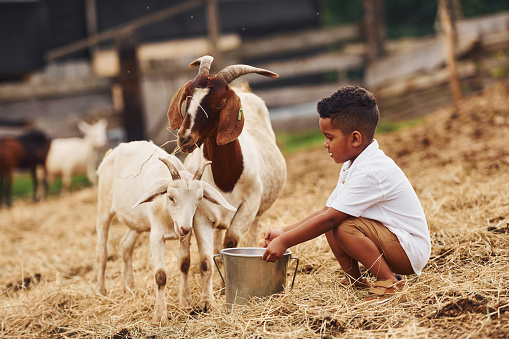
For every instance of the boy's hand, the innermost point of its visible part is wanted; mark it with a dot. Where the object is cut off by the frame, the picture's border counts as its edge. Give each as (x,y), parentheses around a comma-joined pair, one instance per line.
(271,235)
(275,250)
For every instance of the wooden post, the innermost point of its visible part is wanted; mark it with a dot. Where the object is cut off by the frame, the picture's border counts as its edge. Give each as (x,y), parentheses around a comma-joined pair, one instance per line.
(91,14)
(449,47)
(213,32)
(129,80)
(374,28)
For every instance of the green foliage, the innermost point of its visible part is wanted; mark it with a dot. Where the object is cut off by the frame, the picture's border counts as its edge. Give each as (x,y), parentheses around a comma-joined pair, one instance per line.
(335,12)
(404,18)
(472,8)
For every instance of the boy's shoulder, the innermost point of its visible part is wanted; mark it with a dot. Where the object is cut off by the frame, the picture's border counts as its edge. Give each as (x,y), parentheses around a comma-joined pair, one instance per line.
(378,164)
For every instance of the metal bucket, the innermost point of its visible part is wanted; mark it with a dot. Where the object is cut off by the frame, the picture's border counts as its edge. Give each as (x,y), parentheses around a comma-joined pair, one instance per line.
(247,275)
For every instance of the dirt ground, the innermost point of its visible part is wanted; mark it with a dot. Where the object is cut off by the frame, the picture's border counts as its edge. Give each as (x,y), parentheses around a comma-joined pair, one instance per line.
(458,163)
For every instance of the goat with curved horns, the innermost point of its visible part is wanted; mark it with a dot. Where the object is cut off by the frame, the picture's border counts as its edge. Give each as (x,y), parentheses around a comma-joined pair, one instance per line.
(231,128)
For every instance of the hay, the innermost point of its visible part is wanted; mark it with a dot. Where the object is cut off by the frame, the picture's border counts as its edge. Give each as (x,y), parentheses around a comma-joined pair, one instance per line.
(459,165)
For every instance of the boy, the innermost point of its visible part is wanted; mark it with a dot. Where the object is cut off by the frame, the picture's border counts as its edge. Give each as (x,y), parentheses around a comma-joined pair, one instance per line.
(373,216)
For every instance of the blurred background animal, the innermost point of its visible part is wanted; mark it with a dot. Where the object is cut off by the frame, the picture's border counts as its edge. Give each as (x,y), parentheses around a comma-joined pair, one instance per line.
(71,156)
(26,151)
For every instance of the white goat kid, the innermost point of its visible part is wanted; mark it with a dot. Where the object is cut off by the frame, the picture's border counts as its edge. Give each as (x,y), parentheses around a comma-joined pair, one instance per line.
(130,176)
(71,156)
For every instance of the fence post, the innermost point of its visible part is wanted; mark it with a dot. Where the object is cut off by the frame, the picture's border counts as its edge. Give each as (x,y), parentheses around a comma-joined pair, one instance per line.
(129,79)
(449,47)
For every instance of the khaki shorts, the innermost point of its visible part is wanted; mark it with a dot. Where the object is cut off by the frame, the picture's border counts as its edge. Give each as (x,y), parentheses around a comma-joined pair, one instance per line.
(386,242)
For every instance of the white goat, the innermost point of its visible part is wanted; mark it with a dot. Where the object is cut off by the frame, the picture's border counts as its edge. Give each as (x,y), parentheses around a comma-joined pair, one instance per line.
(129,176)
(233,130)
(70,156)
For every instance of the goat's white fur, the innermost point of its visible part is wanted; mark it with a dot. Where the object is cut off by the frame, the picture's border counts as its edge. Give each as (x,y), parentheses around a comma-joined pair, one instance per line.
(261,182)
(70,156)
(137,187)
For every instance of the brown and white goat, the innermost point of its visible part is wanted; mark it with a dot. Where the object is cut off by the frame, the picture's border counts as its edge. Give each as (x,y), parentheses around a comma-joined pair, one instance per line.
(26,151)
(232,129)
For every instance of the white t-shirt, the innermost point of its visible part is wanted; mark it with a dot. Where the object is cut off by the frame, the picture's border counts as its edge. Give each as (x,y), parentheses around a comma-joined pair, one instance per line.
(374,187)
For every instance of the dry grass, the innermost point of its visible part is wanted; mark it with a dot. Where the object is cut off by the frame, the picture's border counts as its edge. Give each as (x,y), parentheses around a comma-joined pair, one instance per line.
(459,166)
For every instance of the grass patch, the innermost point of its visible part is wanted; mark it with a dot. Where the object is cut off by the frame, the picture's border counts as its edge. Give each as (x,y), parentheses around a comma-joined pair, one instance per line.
(22,186)
(291,142)
(385,126)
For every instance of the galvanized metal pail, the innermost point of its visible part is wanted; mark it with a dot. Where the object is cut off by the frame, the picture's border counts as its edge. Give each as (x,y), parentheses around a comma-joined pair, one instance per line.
(247,275)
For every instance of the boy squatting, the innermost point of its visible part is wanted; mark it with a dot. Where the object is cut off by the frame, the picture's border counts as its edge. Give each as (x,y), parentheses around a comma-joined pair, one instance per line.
(373,216)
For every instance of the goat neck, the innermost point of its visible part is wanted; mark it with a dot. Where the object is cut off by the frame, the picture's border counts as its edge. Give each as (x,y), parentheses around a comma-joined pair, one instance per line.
(227,163)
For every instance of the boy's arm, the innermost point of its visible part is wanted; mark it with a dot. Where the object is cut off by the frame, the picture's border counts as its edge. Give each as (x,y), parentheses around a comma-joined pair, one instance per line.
(307,230)
(274,233)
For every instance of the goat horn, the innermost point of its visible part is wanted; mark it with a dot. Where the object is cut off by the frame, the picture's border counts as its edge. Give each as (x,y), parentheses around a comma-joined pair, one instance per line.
(199,171)
(204,62)
(230,73)
(175,175)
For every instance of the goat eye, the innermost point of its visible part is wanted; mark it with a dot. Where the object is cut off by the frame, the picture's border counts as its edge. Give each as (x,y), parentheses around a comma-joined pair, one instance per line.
(171,199)
(221,104)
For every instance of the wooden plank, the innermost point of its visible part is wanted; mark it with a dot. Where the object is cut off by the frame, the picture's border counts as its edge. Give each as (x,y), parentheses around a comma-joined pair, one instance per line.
(295,41)
(294,95)
(22,92)
(420,82)
(487,24)
(425,58)
(323,62)
(130,27)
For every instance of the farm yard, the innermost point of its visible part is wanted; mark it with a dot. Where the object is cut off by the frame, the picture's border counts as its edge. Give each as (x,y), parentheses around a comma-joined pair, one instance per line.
(458,163)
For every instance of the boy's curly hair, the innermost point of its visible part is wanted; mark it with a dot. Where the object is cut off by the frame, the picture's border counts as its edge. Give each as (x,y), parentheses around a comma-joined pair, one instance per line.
(351,108)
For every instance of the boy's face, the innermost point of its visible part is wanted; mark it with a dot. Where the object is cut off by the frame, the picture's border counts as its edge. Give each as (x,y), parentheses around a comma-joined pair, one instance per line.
(340,147)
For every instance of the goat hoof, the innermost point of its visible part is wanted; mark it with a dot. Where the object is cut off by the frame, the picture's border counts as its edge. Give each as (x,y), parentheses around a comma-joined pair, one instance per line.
(101,291)
(206,305)
(161,318)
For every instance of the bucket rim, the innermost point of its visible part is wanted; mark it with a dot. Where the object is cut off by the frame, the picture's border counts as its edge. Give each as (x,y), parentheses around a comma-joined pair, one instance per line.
(229,251)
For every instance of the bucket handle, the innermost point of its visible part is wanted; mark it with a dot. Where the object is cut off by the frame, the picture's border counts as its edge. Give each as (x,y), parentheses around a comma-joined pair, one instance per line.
(295,272)
(215,262)
(222,278)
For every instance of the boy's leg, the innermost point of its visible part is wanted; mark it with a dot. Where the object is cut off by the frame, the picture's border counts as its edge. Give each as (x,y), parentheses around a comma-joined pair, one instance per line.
(356,238)
(349,265)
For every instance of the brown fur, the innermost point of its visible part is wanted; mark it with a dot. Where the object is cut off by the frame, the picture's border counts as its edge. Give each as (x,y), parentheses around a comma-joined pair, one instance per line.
(227,163)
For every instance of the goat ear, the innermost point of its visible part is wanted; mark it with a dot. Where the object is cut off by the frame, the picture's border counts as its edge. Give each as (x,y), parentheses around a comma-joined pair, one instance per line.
(83,126)
(175,116)
(157,188)
(103,122)
(231,120)
(213,195)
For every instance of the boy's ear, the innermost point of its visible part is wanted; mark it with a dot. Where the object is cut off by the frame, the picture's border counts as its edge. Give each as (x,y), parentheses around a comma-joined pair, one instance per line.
(356,138)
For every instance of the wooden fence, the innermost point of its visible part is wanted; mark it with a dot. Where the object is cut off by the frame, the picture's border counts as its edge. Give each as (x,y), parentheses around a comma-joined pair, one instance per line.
(410,81)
